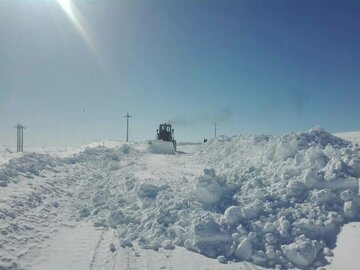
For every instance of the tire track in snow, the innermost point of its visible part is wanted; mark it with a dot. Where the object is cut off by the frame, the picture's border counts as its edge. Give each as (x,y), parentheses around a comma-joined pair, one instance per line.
(71,248)
(115,256)
(127,258)
(94,257)
(168,260)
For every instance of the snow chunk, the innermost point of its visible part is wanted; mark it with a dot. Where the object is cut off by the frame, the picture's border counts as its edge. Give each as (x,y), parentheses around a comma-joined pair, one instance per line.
(347,195)
(302,252)
(3,182)
(312,179)
(148,191)
(112,247)
(351,209)
(221,259)
(209,188)
(323,196)
(116,217)
(100,197)
(208,237)
(125,148)
(233,215)
(167,244)
(84,212)
(296,188)
(244,250)
(252,211)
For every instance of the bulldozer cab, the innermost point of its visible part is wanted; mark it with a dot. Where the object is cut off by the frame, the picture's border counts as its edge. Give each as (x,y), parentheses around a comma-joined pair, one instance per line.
(165,132)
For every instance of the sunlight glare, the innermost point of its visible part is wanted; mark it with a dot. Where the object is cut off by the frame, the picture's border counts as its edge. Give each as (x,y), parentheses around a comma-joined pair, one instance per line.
(75,17)
(65,5)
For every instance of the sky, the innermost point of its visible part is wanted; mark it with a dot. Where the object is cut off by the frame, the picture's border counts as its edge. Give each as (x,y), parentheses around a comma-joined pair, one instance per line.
(71,70)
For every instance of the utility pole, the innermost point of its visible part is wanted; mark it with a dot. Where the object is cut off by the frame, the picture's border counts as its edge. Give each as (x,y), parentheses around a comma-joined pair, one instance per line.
(19,138)
(127,126)
(215,129)
(22,138)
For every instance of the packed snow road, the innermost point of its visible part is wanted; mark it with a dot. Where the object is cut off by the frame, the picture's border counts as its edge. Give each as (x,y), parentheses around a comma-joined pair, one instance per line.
(249,202)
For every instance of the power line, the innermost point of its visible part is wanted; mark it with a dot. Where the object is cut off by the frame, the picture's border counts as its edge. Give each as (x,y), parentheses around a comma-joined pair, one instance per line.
(127,126)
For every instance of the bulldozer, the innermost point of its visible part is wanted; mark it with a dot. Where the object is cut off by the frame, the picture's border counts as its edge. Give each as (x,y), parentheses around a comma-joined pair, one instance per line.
(165,141)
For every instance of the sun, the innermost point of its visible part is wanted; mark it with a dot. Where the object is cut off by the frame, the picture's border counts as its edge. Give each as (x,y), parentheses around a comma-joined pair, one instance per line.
(66,5)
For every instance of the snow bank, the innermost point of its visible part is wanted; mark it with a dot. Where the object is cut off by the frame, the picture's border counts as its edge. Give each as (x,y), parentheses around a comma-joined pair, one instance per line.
(99,153)
(306,184)
(274,201)
(28,166)
(38,193)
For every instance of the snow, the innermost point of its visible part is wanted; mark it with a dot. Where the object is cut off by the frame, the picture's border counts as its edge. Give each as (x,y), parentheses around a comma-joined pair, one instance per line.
(244,250)
(84,247)
(353,136)
(7,152)
(209,189)
(344,256)
(294,181)
(302,252)
(244,201)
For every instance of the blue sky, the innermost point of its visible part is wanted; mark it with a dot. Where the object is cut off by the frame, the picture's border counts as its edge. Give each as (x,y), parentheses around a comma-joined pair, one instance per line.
(252,66)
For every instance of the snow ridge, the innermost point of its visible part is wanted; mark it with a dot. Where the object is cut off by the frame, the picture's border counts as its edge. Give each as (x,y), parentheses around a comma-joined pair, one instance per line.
(292,194)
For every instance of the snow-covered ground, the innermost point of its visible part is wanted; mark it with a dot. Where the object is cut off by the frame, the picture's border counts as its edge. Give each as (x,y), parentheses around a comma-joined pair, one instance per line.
(7,153)
(251,202)
(347,248)
(350,136)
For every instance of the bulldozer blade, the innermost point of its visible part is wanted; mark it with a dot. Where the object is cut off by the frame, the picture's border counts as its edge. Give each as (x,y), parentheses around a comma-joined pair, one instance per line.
(161,147)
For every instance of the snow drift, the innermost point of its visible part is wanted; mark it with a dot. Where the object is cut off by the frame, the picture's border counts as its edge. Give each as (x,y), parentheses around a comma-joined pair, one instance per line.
(277,201)
(291,195)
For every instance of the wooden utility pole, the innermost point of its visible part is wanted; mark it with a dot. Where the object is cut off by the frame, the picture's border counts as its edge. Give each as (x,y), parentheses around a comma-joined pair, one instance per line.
(127,126)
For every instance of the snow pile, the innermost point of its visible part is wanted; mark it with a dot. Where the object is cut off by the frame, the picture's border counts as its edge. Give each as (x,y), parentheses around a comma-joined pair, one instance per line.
(269,200)
(40,193)
(30,165)
(274,201)
(99,153)
(27,166)
(291,195)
